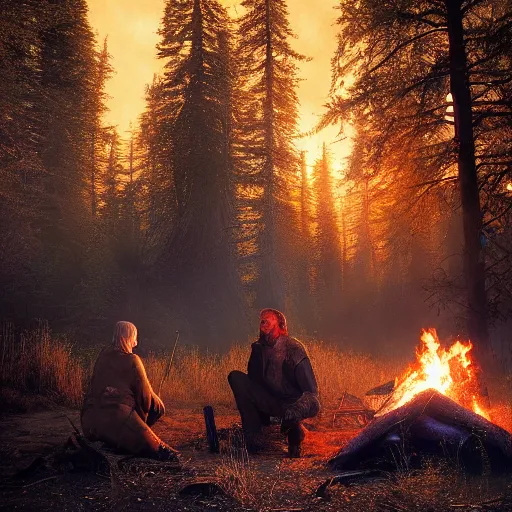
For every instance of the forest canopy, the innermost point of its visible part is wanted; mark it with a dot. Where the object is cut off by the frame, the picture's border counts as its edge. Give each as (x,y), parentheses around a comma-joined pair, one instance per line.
(208,212)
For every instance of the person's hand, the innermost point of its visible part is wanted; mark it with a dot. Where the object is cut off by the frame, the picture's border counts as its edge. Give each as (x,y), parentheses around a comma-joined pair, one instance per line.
(291,414)
(159,405)
(307,406)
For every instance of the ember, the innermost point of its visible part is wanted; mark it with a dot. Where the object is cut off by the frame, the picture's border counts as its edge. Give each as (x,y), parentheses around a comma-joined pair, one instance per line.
(450,372)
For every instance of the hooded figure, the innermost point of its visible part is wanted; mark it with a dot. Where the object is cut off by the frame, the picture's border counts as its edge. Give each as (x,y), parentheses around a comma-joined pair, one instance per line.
(279,382)
(120,405)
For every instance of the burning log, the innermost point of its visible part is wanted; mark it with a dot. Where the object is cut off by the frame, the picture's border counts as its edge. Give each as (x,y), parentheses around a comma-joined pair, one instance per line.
(449,371)
(434,424)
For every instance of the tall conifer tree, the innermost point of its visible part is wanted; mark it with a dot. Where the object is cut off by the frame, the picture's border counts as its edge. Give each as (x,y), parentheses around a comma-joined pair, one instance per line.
(199,254)
(20,162)
(407,57)
(267,129)
(62,102)
(328,249)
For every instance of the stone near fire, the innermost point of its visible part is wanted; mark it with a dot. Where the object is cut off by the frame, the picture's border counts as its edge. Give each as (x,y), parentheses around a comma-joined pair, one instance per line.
(430,424)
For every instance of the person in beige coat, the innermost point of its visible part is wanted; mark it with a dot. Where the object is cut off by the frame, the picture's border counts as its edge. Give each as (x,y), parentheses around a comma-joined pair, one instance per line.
(120,406)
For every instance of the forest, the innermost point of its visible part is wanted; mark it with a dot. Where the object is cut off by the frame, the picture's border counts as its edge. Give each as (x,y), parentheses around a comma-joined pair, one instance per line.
(208,212)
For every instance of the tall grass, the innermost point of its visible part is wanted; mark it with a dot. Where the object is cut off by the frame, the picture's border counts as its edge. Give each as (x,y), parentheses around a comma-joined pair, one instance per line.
(202,378)
(33,362)
(197,377)
(36,362)
(338,371)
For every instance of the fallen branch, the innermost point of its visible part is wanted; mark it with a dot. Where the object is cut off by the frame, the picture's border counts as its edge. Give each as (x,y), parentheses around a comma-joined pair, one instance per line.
(40,481)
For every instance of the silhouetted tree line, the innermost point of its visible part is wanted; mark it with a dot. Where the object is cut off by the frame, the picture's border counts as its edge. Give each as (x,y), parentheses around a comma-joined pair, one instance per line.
(52,149)
(208,212)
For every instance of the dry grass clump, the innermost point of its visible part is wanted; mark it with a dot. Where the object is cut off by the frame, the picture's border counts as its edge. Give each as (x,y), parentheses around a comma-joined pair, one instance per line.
(238,475)
(249,485)
(338,371)
(33,362)
(197,377)
(434,488)
(202,378)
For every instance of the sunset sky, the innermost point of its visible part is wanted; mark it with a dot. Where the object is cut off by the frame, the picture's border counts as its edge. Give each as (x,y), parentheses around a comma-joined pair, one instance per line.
(131,27)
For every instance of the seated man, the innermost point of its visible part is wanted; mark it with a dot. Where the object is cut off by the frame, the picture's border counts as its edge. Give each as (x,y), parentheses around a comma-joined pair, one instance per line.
(279,382)
(120,405)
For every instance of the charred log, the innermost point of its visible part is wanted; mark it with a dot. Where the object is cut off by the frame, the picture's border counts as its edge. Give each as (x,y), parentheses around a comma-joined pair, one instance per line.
(430,424)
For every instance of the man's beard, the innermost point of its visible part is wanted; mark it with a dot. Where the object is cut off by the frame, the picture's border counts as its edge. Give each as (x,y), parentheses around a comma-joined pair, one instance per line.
(268,339)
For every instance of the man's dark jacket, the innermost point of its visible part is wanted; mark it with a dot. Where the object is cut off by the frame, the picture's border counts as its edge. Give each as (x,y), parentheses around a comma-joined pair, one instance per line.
(284,370)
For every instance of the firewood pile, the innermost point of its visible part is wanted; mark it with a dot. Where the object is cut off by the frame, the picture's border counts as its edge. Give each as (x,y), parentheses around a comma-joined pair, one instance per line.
(354,412)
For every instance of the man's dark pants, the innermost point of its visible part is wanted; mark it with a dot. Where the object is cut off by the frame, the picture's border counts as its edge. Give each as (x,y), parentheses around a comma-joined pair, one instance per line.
(256,405)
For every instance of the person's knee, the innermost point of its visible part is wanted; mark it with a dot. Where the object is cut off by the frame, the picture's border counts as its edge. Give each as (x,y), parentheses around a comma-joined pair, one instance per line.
(236,377)
(314,408)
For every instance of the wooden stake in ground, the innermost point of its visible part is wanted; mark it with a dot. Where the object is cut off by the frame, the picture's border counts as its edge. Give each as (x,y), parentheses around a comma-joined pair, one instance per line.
(211,429)
(169,365)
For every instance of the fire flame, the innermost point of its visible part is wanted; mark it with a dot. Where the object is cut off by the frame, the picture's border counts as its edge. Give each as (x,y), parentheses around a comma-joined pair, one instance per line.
(450,372)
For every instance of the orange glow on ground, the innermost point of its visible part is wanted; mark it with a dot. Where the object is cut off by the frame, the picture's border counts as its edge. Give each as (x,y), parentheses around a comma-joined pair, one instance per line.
(451,372)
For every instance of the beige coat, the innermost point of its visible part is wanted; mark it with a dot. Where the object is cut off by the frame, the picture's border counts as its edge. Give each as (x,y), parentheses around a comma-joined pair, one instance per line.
(117,404)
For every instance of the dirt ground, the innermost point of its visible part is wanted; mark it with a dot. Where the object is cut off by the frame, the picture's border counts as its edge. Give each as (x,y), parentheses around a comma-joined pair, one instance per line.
(264,482)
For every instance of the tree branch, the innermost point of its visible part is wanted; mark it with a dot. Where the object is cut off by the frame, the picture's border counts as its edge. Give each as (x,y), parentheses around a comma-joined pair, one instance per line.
(492,82)
(497,217)
(470,6)
(434,182)
(403,45)
(504,162)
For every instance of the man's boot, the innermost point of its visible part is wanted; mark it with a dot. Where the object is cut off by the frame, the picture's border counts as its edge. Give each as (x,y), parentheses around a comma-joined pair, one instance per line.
(254,442)
(295,435)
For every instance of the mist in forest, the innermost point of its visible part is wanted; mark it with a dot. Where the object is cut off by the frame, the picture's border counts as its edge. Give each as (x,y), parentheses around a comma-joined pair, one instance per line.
(211,208)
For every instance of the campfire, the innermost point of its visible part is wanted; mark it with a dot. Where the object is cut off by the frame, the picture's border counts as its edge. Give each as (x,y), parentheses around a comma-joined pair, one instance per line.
(450,371)
(432,410)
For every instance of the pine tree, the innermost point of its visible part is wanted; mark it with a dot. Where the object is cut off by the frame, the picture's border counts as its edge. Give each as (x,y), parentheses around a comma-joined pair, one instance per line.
(67,91)
(20,164)
(408,57)
(158,192)
(305,253)
(268,160)
(327,245)
(103,71)
(110,211)
(196,112)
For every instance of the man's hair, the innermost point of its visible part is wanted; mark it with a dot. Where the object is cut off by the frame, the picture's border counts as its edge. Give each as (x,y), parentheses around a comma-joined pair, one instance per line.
(281,319)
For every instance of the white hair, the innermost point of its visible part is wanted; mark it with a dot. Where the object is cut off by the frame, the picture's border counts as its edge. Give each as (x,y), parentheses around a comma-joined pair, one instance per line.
(124,333)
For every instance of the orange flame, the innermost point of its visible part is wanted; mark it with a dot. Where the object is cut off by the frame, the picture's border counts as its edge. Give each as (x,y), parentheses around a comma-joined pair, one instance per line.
(450,372)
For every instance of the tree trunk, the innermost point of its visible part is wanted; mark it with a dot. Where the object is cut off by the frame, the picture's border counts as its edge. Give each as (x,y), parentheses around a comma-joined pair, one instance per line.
(474,269)
(270,292)
(93,174)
